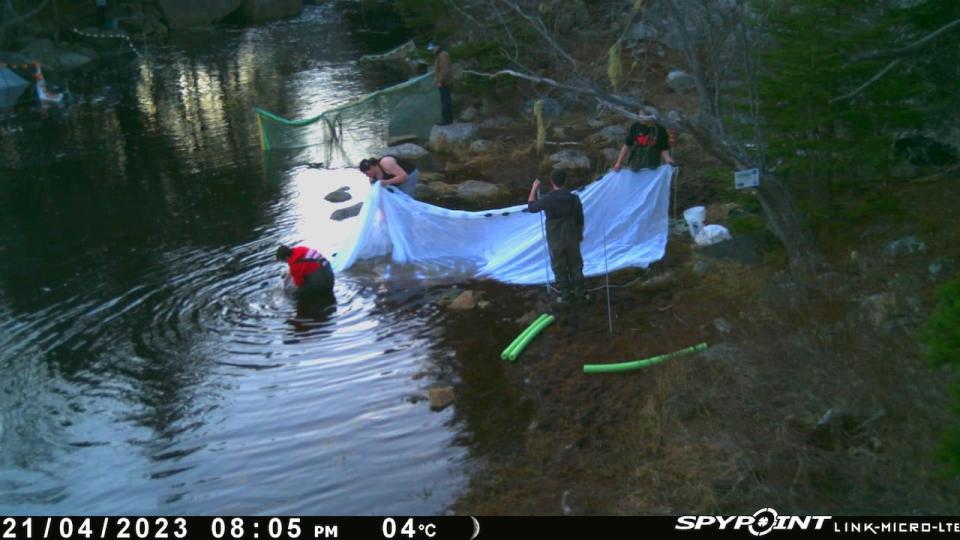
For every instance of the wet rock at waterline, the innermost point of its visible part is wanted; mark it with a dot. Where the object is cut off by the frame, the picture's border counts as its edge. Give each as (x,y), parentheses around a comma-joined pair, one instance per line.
(345,213)
(339,195)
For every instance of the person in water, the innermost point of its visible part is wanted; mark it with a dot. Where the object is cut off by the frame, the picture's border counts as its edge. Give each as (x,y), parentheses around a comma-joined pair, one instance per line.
(310,271)
(391,170)
(564,233)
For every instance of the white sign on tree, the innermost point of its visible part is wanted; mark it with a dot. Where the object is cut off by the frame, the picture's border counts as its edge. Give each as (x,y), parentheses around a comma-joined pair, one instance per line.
(746,178)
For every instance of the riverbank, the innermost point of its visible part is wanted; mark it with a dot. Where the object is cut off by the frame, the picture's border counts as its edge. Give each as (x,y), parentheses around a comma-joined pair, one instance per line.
(813,397)
(808,400)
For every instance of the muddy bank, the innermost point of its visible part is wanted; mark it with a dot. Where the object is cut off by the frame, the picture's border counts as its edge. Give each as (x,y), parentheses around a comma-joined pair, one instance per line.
(811,398)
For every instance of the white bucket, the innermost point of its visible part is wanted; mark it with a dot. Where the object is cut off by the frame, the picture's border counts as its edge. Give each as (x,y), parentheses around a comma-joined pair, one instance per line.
(695,217)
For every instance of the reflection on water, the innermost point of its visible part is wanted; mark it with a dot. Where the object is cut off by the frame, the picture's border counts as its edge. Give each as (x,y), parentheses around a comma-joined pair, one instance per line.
(152,361)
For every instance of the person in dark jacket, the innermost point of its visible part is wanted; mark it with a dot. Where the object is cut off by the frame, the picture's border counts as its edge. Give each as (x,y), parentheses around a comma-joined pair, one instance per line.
(564,233)
(443,75)
(309,270)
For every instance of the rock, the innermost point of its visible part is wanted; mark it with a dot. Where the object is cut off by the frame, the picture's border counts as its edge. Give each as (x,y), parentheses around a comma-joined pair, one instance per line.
(473,190)
(722,352)
(397,140)
(702,266)
(610,155)
(345,213)
(878,308)
(614,134)
(595,123)
(551,108)
(680,81)
(265,10)
(72,60)
(13,58)
(432,176)
(907,245)
(441,136)
(405,151)
(659,281)
(436,189)
(469,114)
(642,32)
(440,398)
(44,52)
(569,159)
(466,300)
(415,398)
(832,283)
(935,268)
(527,318)
(744,249)
(783,293)
(481,146)
(495,122)
(194,13)
(339,195)
(722,325)
(842,429)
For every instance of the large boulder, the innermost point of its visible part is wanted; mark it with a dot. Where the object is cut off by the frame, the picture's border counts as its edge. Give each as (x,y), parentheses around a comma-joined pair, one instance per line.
(551,108)
(475,190)
(264,10)
(481,146)
(569,159)
(496,122)
(442,136)
(405,151)
(435,189)
(194,13)
(614,134)
(72,60)
(680,81)
(42,51)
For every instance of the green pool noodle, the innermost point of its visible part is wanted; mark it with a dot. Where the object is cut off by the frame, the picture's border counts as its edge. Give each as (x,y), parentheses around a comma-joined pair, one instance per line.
(540,325)
(513,344)
(636,364)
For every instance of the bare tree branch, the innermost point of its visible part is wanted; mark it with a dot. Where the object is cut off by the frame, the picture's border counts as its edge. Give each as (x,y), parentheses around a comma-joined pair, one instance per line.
(537,24)
(909,49)
(867,84)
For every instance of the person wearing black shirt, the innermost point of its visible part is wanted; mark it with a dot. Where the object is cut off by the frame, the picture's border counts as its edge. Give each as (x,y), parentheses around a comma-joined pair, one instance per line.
(647,146)
(391,170)
(564,233)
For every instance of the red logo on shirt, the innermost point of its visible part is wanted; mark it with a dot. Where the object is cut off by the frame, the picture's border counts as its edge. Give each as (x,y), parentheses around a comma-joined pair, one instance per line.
(644,139)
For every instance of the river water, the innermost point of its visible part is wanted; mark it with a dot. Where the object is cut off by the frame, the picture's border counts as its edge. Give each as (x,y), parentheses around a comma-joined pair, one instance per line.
(152,362)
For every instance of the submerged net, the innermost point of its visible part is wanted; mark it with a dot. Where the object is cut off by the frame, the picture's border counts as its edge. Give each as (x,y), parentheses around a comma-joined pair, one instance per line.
(625,225)
(408,108)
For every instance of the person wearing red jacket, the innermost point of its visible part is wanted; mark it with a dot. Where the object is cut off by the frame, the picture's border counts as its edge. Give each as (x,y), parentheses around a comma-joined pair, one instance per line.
(310,271)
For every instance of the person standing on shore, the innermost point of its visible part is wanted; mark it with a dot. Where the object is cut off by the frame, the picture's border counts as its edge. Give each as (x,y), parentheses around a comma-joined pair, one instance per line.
(647,146)
(443,74)
(564,234)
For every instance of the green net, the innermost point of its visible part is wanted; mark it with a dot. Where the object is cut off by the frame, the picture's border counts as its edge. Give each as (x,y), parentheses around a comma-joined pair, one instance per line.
(406,109)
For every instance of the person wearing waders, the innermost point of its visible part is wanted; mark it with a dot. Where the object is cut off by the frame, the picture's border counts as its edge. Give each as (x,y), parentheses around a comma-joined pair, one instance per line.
(564,233)
(310,271)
